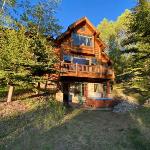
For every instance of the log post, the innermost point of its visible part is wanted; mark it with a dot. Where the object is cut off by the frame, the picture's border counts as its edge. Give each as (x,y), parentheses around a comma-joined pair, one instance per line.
(86,90)
(108,88)
(100,71)
(65,87)
(10,92)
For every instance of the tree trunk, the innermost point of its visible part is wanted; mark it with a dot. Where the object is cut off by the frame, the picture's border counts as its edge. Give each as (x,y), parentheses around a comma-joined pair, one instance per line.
(38,88)
(10,92)
(46,85)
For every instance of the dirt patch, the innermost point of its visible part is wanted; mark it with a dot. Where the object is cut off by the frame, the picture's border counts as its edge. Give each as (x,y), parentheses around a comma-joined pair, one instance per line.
(7,109)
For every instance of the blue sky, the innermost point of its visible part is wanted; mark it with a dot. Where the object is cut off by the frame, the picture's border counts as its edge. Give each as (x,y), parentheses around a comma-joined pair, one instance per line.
(71,10)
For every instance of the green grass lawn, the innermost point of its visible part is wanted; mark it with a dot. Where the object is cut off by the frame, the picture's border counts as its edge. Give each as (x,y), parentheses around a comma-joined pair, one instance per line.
(18,91)
(40,125)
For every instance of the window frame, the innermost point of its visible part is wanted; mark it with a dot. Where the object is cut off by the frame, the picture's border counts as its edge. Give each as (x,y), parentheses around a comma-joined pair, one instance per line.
(81,36)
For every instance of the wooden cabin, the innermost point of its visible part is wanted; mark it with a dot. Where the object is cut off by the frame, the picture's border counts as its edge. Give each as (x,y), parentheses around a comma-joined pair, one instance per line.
(86,71)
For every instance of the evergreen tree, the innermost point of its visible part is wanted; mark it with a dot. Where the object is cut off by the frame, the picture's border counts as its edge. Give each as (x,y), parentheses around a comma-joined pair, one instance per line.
(137,44)
(15,56)
(39,18)
(27,52)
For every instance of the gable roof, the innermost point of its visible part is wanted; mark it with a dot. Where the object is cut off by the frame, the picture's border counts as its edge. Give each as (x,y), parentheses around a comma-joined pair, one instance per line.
(78,22)
(84,19)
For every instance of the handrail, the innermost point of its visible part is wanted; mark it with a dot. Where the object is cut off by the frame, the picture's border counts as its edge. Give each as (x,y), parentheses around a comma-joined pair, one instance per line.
(71,67)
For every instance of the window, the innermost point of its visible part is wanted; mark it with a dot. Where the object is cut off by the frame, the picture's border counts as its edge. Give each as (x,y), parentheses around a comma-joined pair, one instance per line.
(81,61)
(67,58)
(93,61)
(81,40)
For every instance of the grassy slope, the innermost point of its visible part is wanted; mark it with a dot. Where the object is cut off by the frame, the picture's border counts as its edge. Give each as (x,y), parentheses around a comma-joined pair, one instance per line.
(33,123)
(21,119)
(130,93)
(40,128)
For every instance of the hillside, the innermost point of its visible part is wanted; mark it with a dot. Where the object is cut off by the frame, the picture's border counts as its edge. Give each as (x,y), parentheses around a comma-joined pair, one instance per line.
(36,123)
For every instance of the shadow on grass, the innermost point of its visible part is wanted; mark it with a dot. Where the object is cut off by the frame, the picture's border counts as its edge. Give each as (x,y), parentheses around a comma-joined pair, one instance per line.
(43,128)
(18,92)
(46,115)
(139,135)
(21,93)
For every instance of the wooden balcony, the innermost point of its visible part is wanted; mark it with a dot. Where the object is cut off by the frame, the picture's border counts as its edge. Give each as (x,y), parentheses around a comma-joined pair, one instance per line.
(86,71)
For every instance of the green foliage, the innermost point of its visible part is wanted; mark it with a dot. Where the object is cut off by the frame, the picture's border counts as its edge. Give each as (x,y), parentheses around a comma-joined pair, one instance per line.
(106,29)
(15,54)
(45,57)
(139,33)
(117,28)
(57,108)
(27,41)
(137,44)
(112,33)
(41,15)
(24,58)
(128,40)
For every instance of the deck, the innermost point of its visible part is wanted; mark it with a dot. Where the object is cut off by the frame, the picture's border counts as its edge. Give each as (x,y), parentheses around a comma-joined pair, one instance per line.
(86,71)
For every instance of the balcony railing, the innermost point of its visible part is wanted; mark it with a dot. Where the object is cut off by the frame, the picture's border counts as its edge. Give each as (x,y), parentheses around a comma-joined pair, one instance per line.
(91,71)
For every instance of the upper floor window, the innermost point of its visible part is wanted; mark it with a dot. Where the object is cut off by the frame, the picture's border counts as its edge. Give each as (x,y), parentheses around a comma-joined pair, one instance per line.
(81,40)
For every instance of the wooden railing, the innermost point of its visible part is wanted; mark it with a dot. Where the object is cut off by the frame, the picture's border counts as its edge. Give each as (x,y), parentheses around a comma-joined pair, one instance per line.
(71,69)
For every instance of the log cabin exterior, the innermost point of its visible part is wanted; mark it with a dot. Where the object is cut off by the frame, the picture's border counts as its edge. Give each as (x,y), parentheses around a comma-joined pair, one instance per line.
(86,70)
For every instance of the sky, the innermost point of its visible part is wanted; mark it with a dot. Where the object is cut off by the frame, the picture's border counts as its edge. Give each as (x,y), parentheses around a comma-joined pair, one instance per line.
(95,10)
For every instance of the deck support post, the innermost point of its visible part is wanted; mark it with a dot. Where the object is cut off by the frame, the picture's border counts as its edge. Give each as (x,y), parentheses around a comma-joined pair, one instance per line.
(108,88)
(86,90)
(65,88)
(76,69)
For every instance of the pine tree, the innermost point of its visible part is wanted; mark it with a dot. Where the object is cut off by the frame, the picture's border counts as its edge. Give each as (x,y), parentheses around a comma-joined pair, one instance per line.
(27,52)
(137,44)
(15,56)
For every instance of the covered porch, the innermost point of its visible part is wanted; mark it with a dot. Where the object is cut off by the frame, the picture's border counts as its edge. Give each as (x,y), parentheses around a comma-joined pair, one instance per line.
(92,94)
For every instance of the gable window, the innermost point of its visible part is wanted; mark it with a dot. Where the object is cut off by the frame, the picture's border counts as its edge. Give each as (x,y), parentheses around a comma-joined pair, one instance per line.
(81,40)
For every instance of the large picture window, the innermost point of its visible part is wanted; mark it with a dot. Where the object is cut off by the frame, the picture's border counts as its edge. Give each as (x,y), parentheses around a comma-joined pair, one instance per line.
(81,40)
